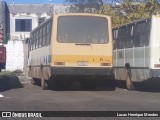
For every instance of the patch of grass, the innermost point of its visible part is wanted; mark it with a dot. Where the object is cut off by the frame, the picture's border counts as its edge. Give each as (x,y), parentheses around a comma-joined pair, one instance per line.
(6,73)
(17,72)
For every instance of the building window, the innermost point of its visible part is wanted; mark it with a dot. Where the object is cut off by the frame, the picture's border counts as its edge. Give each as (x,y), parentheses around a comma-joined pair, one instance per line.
(23,25)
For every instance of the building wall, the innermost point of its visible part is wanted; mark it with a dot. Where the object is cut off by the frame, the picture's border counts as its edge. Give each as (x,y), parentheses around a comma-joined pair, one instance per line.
(15,55)
(34,12)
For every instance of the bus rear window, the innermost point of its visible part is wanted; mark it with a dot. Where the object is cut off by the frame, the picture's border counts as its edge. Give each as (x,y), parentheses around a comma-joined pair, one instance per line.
(82,29)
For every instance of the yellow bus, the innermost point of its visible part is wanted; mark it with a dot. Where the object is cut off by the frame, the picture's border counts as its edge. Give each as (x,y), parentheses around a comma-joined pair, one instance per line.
(71,44)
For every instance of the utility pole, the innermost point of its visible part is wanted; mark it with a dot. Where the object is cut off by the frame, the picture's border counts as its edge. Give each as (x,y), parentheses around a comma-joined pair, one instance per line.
(13,2)
(51,7)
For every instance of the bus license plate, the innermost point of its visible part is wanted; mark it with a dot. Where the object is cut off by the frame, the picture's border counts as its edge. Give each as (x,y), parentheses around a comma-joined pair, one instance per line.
(82,63)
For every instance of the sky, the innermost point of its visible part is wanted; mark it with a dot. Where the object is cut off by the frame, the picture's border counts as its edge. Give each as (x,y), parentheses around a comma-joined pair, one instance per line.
(34,1)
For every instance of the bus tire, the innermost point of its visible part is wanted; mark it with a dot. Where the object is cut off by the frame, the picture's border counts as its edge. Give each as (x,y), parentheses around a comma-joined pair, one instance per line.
(33,81)
(43,82)
(129,83)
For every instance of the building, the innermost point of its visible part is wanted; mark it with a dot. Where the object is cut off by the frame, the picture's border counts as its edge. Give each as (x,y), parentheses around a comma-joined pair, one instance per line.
(23,19)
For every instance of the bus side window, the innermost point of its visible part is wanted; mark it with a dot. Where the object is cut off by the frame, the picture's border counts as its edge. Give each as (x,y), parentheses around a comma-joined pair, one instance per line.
(141,33)
(137,41)
(115,35)
(30,48)
(114,44)
(142,40)
(40,37)
(35,36)
(120,43)
(48,36)
(147,38)
(32,41)
(128,37)
(147,26)
(136,33)
(44,35)
(47,39)
(35,39)
(50,31)
(129,42)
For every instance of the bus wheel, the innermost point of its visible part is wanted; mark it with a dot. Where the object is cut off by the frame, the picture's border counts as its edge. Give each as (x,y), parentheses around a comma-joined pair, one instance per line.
(35,81)
(43,82)
(129,83)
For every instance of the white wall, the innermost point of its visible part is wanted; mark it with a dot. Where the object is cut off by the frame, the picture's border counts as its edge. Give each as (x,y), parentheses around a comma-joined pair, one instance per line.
(15,55)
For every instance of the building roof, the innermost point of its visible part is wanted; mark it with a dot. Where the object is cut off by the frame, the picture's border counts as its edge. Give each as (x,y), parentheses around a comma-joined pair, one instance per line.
(36,8)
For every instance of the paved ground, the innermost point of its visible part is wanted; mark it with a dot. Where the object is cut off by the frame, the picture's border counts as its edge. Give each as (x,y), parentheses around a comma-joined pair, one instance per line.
(31,97)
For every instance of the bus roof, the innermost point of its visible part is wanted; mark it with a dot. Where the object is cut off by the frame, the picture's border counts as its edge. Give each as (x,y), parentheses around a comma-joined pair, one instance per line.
(134,22)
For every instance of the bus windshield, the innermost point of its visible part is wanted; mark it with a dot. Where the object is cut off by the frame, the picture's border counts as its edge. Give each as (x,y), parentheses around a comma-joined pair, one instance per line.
(82,29)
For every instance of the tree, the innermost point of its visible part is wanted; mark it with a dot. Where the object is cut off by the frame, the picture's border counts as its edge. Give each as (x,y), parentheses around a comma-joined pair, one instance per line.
(122,11)
(83,6)
(127,11)
(92,5)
